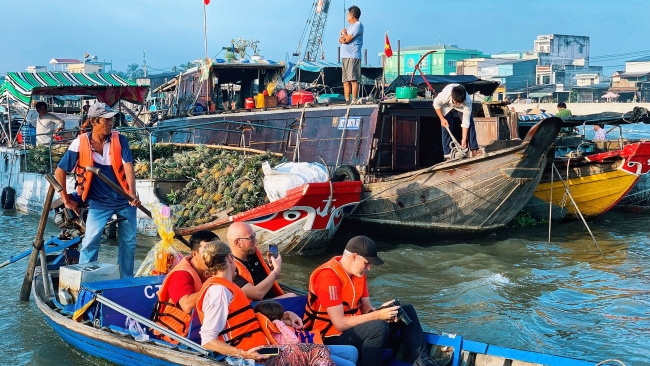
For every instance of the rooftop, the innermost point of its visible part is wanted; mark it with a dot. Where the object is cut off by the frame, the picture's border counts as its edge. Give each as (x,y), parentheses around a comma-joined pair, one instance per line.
(436,47)
(64,61)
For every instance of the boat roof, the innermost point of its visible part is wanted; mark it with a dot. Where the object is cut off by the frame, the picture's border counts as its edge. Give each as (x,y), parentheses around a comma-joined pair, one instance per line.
(471,83)
(327,73)
(107,88)
(637,115)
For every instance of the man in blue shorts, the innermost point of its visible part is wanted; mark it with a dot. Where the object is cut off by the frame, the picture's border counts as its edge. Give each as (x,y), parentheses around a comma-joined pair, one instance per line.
(351,41)
(109,151)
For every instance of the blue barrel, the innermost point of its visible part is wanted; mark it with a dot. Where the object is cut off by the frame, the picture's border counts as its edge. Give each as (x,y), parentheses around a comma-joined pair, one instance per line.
(29,134)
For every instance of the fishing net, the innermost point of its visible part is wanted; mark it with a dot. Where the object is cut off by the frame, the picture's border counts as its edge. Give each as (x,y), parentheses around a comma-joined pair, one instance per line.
(166,253)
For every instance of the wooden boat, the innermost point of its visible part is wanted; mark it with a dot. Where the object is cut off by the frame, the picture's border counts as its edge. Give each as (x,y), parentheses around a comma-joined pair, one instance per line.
(637,200)
(599,174)
(394,147)
(303,222)
(597,182)
(101,332)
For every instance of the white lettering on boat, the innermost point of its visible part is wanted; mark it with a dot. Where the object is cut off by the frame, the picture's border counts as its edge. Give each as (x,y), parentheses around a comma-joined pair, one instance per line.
(149,291)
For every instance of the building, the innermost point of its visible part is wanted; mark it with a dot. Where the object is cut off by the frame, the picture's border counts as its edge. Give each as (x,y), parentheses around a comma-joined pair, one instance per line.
(155,80)
(33,69)
(590,93)
(588,79)
(60,64)
(633,84)
(560,58)
(442,62)
(515,75)
(90,64)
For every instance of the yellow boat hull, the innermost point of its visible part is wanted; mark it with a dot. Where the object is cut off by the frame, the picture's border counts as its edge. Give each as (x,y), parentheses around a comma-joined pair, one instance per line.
(594,194)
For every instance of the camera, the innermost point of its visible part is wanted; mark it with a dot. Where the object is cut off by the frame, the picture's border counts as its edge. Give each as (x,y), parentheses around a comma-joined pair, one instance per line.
(401,314)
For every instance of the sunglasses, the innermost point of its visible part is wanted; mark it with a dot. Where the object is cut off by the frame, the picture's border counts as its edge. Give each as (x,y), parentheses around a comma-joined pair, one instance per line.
(251,238)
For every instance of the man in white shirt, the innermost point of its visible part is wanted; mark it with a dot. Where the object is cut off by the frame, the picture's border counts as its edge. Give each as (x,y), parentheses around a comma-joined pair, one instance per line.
(46,124)
(452,98)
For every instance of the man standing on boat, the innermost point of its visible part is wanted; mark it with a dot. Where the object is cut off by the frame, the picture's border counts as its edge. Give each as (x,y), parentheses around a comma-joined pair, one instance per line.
(109,151)
(454,98)
(46,124)
(338,306)
(351,41)
(255,278)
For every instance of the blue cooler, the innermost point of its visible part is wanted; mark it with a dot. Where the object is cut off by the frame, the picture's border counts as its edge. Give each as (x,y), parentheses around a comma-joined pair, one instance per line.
(28,133)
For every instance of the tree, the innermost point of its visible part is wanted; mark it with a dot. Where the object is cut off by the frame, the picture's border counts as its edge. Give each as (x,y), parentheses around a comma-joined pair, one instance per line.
(186,66)
(133,71)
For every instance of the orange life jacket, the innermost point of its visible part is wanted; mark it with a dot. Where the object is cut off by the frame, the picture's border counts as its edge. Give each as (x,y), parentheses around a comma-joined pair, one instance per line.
(245,274)
(316,317)
(170,315)
(269,328)
(84,177)
(242,328)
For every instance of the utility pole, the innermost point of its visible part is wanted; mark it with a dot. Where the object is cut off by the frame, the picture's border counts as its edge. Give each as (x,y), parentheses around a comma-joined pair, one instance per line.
(144,61)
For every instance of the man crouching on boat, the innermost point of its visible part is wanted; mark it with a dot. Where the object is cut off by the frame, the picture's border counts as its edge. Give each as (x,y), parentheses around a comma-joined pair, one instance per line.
(109,151)
(254,276)
(180,289)
(338,306)
(454,98)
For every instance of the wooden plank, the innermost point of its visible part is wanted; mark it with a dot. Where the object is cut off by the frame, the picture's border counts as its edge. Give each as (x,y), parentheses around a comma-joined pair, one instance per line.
(487,360)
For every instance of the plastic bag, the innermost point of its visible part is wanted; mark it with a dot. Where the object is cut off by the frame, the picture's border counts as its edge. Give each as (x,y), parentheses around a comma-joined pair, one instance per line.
(234,361)
(136,330)
(166,253)
(278,180)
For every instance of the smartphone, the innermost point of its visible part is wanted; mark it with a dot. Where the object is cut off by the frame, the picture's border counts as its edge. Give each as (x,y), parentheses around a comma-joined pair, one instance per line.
(273,249)
(269,351)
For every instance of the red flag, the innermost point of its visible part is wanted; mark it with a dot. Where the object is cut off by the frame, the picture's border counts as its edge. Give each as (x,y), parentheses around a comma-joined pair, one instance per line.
(206,2)
(387,50)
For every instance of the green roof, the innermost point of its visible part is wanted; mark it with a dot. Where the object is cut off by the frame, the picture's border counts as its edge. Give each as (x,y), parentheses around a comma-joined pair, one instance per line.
(108,88)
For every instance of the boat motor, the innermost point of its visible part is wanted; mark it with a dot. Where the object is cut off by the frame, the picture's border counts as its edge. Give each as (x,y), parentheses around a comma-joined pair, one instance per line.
(72,225)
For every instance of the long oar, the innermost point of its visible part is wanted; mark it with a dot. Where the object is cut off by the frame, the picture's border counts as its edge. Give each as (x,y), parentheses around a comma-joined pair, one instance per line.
(38,243)
(52,245)
(123,193)
(140,319)
(117,188)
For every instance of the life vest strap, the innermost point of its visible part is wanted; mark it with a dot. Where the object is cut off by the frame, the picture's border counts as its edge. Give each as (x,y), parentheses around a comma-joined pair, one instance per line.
(228,330)
(237,340)
(237,312)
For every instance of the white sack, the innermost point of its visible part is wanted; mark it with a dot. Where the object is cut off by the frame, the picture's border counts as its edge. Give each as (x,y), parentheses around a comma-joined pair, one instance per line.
(278,180)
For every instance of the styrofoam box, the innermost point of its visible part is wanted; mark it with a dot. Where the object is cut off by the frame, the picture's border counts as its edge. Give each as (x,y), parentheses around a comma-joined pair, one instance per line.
(73,276)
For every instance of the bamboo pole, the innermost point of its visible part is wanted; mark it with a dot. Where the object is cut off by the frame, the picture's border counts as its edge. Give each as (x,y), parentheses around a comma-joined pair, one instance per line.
(38,240)
(225,147)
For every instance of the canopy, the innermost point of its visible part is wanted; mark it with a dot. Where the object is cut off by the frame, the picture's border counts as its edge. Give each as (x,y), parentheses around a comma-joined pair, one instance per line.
(610,95)
(471,83)
(107,88)
(332,73)
(637,115)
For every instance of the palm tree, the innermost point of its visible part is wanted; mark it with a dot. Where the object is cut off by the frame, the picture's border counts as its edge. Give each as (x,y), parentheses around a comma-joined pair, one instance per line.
(186,66)
(133,71)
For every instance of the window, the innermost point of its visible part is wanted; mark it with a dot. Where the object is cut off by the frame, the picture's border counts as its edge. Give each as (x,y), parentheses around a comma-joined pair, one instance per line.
(435,61)
(580,49)
(451,63)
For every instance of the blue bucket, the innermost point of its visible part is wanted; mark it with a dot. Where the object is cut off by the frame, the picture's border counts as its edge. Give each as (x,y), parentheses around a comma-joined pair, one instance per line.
(29,134)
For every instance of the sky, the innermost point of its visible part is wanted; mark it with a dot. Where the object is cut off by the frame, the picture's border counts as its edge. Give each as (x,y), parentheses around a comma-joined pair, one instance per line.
(171,31)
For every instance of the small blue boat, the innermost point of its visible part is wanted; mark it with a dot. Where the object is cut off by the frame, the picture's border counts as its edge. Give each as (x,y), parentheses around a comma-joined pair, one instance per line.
(101,331)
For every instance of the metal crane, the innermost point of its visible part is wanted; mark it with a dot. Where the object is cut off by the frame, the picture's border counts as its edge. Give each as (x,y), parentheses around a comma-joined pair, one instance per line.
(314,30)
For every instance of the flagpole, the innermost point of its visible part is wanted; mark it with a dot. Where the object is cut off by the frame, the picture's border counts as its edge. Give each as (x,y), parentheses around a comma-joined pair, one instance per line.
(205,31)
(383,68)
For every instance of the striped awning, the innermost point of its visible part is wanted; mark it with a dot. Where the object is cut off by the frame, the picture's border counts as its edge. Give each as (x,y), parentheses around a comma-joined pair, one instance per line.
(107,88)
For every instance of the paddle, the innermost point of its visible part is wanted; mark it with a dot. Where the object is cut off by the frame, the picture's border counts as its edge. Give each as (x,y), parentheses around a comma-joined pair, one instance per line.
(123,193)
(38,243)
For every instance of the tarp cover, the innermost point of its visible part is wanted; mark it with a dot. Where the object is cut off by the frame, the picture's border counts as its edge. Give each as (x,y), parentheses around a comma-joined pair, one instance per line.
(107,88)
(332,73)
(471,83)
(637,115)
(282,178)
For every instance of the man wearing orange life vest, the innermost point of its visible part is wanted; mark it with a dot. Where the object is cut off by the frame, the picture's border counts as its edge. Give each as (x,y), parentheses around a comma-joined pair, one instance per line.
(180,289)
(109,151)
(338,306)
(254,277)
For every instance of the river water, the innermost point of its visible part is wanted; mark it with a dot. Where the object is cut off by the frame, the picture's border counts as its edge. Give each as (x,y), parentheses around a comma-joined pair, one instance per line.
(511,288)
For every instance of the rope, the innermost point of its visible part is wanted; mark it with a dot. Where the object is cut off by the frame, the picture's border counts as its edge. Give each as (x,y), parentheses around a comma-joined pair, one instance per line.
(457,151)
(610,360)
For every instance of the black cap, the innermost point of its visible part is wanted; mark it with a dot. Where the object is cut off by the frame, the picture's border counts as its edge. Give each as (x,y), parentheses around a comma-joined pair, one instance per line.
(365,247)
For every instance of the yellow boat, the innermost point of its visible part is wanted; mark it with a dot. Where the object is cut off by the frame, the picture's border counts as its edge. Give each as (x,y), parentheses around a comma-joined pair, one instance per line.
(596,182)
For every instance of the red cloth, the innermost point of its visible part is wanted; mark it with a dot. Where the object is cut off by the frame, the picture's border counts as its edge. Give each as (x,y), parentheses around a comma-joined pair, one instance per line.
(388,51)
(180,284)
(206,2)
(329,288)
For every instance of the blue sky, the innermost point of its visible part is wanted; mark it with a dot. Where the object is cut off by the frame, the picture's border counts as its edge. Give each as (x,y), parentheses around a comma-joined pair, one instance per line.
(36,31)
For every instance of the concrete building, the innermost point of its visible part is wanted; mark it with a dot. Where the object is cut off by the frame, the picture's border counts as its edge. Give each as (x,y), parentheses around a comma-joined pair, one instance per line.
(60,64)
(633,84)
(442,62)
(512,74)
(33,69)
(560,58)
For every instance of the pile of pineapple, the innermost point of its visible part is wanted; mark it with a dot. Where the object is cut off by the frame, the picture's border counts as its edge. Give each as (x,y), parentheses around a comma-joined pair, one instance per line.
(37,158)
(222,181)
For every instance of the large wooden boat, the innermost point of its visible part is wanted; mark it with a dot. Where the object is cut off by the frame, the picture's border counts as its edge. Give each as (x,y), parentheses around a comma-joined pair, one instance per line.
(637,200)
(394,147)
(101,331)
(303,222)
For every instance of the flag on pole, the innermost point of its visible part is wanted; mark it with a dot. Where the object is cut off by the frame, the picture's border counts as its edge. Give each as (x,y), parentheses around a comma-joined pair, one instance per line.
(387,50)
(206,2)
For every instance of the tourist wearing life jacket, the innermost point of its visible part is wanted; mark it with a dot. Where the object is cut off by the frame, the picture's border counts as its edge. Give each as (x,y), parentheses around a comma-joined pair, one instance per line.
(109,152)
(229,324)
(180,290)
(254,276)
(338,306)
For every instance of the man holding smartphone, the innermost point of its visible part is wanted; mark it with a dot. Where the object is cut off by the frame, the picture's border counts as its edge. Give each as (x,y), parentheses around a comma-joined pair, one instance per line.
(254,276)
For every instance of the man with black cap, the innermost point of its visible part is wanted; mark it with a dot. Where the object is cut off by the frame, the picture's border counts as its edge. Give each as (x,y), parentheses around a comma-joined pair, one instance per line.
(339,308)
(108,151)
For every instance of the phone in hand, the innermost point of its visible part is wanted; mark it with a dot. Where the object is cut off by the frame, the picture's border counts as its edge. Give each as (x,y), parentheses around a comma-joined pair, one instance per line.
(273,249)
(269,351)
